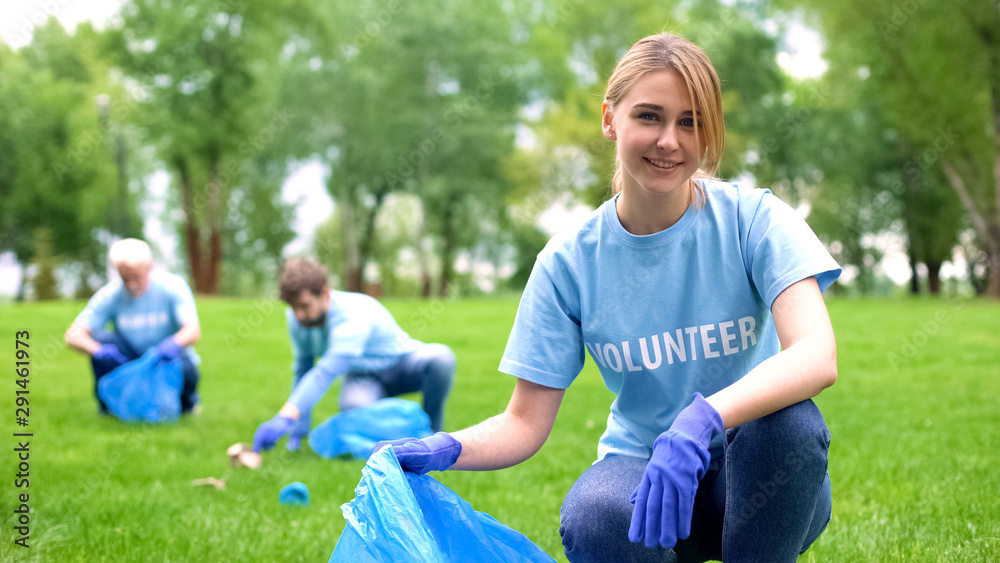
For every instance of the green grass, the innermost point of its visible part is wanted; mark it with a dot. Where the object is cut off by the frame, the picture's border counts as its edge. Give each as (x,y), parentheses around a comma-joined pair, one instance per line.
(914,459)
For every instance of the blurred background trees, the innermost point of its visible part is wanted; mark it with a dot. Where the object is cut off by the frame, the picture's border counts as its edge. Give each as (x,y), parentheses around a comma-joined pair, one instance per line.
(454,135)
(927,77)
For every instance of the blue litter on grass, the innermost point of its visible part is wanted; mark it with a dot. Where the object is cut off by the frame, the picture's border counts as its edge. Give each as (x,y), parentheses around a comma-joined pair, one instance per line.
(356,431)
(405,517)
(294,494)
(147,389)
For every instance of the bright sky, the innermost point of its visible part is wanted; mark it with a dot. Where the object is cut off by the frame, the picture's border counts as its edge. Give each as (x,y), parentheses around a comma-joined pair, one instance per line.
(18,19)
(802,53)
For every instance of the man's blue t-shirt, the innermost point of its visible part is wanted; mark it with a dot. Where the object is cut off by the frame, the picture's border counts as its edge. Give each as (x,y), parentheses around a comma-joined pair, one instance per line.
(664,315)
(359,335)
(146,320)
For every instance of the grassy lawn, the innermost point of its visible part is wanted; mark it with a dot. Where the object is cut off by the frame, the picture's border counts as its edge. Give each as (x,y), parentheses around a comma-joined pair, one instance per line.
(915,418)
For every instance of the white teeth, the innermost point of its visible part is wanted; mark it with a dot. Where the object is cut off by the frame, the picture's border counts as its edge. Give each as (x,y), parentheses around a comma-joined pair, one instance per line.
(662,164)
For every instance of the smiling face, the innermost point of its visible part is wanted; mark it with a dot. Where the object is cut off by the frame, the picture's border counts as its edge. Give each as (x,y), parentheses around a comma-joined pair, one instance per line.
(654,127)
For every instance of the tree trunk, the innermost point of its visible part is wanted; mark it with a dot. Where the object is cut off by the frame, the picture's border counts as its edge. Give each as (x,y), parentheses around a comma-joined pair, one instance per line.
(204,256)
(934,277)
(353,276)
(214,262)
(25,280)
(425,273)
(368,238)
(191,230)
(447,252)
(993,275)
(123,219)
(987,228)
(990,36)
(431,85)
(914,278)
(216,211)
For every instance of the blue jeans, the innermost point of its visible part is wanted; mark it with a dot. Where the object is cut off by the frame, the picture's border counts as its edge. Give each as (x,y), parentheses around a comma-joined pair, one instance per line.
(429,369)
(189,391)
(767,499)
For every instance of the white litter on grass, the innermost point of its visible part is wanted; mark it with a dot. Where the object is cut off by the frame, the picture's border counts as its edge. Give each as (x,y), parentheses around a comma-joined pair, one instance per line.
(242,455)
(210,482)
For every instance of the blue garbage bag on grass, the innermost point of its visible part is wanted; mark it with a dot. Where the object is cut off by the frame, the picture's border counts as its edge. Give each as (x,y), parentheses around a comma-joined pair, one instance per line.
(357,430)
(405,517)
(147,389)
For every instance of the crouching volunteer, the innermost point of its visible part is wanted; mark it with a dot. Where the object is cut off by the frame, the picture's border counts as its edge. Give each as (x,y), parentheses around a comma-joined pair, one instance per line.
(353,336)
(146,309)
(700,302)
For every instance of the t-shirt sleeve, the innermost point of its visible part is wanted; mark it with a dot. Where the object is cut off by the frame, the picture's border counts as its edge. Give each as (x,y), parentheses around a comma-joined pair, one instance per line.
(102,306)
(780,249)
(182,301)
(347,341)
(317,380)
(546,343)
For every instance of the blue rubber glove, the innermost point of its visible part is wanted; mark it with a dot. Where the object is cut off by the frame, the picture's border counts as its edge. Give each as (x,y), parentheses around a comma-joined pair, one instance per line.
(109,353)
(270,432)
(664,499)
(299,430)
(168,349)
(420,455)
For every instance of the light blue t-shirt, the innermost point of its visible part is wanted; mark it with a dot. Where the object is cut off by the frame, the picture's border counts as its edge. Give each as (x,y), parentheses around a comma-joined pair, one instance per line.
(664,315)
(359,335)
(143,321)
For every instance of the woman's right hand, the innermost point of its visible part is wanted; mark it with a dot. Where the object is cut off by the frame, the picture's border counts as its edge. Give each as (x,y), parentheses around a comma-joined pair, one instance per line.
(420,455)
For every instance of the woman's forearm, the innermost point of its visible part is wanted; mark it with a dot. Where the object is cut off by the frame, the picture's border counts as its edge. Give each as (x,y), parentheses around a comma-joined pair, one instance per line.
(806,366)
(514,435)
(792,376)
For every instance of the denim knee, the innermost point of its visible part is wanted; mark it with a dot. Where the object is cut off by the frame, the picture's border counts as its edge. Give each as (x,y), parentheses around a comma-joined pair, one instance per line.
(777,492)
(585,524)
(596,514)
(798,430)
(189,390)
(440,367)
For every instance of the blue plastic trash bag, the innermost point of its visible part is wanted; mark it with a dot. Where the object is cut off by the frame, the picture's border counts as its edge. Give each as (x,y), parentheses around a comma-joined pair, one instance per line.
(356,431)
(146,389)
(405,517)
(294,494)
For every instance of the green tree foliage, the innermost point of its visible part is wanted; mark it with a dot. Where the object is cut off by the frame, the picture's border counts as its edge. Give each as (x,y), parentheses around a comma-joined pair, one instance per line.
(258,226)
(57,169)
(833,148)
(408,97)
(209,104)
(934,73)
(429,101)
(328,247)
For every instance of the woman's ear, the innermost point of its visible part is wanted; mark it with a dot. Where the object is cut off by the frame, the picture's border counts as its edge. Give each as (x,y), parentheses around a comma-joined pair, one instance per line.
(608,121)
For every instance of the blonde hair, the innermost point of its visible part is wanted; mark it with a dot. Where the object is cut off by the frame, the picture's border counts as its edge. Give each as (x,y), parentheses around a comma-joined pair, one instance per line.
(665,51)
(130,252)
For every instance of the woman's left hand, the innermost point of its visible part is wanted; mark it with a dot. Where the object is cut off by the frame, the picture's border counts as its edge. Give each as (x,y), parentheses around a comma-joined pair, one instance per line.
(664,499)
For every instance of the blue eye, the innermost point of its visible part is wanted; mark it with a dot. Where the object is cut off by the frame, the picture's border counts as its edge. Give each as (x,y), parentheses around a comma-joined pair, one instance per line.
(647,116)
(687,122)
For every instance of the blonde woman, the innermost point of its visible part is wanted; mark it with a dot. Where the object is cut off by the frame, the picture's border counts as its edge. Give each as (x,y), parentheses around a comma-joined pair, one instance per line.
(700,302)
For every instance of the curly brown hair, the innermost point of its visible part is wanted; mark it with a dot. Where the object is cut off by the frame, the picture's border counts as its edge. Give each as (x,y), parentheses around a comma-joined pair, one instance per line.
(301,274)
